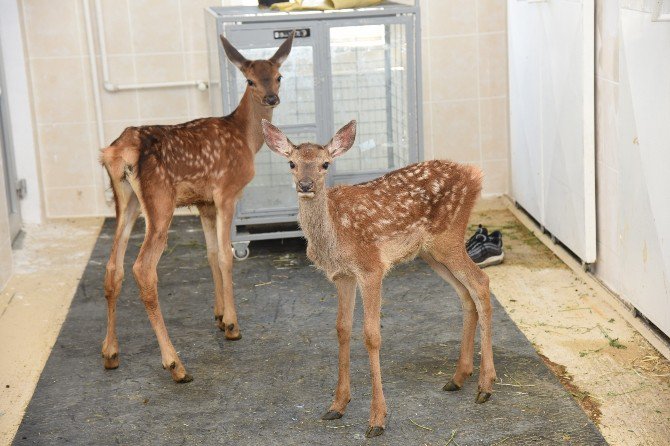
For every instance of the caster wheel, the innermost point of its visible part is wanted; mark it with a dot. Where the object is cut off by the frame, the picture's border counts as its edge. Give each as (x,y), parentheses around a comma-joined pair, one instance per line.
(241,250)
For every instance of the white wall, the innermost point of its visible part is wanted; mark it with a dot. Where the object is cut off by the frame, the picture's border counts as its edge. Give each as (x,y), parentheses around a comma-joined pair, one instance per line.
(552,118)
(5,234)
(20,114)
(633,155)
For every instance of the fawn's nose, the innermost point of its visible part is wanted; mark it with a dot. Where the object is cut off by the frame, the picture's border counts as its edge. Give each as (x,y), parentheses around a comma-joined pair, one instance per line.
(271,99)
(305,186)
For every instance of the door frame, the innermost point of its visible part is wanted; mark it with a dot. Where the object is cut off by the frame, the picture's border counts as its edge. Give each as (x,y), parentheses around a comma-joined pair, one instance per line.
(9,161)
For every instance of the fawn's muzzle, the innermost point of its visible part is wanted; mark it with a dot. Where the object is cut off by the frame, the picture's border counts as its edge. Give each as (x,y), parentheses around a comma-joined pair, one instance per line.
(306,186)
(271,100)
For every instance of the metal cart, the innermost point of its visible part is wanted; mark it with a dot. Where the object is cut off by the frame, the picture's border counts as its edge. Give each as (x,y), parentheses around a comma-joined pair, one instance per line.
(361,64)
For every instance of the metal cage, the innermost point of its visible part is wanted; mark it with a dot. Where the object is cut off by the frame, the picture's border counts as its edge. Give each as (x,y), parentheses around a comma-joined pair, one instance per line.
(361,64)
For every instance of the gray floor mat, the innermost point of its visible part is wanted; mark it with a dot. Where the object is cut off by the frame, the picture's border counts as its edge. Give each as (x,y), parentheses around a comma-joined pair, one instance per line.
(272,386)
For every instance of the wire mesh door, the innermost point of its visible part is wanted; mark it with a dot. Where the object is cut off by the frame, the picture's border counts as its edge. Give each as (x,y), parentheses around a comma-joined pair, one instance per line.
(369,66)
(272,191)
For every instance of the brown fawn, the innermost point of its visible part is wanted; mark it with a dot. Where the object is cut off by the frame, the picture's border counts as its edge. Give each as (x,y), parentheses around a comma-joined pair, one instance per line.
(356,234)
(204,163)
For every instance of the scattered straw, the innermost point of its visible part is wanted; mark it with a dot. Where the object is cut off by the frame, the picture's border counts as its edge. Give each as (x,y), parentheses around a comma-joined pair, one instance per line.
(451,439)
(419,425)
(263,284)
(515,385)
(651,365)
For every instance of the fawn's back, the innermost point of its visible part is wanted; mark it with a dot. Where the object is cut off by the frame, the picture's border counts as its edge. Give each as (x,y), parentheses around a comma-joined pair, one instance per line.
(190,158)
(424,199)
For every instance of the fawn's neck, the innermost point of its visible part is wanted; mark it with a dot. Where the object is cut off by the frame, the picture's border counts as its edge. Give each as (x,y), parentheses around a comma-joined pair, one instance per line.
(315,221)
(251,113)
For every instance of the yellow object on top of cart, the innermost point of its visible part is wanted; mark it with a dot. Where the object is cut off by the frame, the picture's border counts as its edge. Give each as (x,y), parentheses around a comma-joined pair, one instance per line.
(323,5)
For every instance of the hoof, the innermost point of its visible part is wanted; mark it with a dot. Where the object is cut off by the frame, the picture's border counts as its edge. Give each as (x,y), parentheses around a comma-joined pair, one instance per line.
(185,379)
(451,386)
(482,397)
(374,431)
(233,332)
(332,415)
(219,323)
(112,362)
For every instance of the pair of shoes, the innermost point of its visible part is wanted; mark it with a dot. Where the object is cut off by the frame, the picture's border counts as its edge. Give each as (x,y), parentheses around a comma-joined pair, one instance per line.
(485,249)
(479,236)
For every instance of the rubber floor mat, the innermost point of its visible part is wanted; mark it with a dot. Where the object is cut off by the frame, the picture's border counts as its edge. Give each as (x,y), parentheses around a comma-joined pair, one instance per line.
(270,387)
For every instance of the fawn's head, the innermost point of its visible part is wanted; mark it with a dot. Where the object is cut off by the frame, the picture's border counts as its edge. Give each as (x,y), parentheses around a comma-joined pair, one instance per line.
(309,162)
(262,76)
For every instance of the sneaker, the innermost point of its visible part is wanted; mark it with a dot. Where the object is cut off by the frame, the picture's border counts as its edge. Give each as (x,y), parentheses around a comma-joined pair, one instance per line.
(481,231)
(487,252)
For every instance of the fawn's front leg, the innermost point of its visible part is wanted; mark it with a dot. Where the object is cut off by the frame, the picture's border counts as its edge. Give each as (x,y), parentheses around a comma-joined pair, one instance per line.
(346,294)
(224,218)
(371,287)
(208,220)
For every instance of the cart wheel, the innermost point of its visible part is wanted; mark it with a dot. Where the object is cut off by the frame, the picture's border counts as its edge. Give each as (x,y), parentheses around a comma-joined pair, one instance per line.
(587,267)
(241,250)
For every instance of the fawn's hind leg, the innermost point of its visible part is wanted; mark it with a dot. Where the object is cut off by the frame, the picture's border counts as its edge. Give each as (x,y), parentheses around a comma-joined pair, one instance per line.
(158,211)
(127,211)
(455,259)
(464,366)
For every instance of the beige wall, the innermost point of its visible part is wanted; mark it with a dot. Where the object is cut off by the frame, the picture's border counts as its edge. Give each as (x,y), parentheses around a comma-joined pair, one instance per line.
(465,85)
(464,46)
(147,41)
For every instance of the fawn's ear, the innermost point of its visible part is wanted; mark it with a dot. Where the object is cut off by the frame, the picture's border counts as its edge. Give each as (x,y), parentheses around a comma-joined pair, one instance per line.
(276,140)
(343,140)
(283,51)
(233,55)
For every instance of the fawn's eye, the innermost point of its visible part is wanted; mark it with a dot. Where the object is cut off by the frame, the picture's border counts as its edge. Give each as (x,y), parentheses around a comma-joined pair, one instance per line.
(250,82)
(291,164)
(279,78)
(325,165)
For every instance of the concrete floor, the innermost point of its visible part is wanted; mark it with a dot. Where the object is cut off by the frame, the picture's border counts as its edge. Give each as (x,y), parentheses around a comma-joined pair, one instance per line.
(620,379)
(573,322)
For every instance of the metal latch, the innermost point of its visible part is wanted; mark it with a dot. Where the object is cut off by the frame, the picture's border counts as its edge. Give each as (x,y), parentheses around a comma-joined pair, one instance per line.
(22,188)
(285,33)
